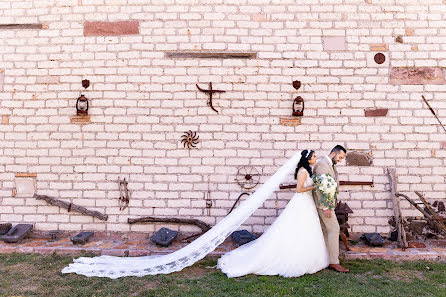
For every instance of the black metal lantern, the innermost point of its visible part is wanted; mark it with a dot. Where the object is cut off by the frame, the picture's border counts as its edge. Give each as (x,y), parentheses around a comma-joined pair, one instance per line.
(82,105)
(298,101)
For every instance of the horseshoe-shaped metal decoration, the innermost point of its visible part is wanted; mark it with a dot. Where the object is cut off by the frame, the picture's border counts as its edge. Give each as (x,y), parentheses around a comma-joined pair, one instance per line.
(210,92)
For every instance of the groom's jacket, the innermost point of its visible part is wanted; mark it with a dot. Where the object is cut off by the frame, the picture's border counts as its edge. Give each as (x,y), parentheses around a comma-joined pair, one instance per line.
(323,166)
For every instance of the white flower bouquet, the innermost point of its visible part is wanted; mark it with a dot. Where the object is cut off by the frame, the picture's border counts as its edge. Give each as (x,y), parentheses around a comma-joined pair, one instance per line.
(328,188)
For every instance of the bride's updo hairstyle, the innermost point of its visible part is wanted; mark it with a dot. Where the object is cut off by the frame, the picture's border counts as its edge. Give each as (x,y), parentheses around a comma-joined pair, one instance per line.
(304,162)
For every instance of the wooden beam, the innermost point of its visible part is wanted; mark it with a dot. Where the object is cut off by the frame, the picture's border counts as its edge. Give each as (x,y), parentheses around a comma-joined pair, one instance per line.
(20,26)
(212,55)
(341,183)
(202,225)
(72,207)
(355,183)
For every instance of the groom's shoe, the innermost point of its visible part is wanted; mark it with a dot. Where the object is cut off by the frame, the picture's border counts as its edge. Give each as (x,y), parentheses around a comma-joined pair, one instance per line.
(338,268)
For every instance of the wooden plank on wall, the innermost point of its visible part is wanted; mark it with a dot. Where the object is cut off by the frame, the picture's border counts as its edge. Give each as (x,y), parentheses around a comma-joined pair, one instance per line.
(212,55)
(20,26)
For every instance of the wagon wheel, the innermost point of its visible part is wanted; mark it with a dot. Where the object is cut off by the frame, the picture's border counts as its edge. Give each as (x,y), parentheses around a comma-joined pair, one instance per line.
(248,177)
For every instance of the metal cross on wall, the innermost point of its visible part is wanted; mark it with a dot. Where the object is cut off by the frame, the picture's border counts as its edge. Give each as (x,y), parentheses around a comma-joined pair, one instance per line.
(210,92)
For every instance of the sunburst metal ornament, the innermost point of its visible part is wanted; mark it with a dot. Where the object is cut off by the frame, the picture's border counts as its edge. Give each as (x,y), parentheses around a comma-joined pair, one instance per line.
(190,139)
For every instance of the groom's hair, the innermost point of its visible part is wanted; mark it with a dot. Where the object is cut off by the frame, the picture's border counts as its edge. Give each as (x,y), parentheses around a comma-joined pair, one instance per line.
(338,148)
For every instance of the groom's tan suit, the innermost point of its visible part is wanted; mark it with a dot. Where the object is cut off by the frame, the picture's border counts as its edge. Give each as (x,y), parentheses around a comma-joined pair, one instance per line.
(330,226)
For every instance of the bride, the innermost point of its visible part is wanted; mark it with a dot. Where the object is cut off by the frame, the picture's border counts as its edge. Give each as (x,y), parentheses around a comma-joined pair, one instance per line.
(293,245)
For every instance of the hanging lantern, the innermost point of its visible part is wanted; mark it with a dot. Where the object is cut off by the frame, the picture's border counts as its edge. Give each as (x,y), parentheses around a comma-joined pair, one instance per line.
(298,111)
(82,105)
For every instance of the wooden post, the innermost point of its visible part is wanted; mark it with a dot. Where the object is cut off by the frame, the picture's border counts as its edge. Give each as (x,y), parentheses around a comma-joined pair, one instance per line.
(397,210)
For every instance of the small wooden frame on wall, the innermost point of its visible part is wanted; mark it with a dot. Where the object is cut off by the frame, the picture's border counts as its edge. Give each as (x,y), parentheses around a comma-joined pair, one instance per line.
(80,119)
(290,121)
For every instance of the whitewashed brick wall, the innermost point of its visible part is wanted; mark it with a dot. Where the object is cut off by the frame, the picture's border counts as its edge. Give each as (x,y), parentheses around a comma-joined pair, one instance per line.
(141,103)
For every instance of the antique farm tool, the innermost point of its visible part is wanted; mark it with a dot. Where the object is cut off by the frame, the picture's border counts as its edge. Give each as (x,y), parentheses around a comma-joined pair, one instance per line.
(210,92)
(164,236)
(200,224)
(190,139)
(438,222)
(242,237)
(124,197)
(434,215)
(247,177)
(433,112)
(53,234)
(342,210)
(17,233)
(373,239)
(81,238)
(72,207)
(397,210)
(240,196)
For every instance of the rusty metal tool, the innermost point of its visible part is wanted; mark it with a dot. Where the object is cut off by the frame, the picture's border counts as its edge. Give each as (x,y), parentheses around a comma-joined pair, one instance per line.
(433,112)
(210,92)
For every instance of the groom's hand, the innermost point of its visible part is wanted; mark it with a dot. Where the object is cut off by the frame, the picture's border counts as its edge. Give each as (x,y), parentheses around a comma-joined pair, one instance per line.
(327,213)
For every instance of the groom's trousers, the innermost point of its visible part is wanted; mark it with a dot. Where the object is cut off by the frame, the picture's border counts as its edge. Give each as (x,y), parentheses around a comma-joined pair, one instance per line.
(330,229)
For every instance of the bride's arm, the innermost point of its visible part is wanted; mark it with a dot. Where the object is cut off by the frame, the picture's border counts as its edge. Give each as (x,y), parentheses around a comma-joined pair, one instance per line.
(301,177)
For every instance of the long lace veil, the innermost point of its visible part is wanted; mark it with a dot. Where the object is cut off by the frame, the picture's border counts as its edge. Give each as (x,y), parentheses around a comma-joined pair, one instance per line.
(115,267)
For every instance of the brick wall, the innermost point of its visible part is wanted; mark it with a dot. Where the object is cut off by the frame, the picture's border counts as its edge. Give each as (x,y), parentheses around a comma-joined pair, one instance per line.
(142,101)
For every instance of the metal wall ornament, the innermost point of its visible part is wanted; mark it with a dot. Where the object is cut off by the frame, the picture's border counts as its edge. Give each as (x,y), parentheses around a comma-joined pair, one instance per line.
(238,199)
(124,196)
(298,104)
(208,201)
(82,101)
(247,177)
(210,92)
(190,139)
(379,58)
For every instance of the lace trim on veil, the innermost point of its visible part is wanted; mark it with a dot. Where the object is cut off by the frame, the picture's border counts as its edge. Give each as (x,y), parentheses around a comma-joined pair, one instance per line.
(115,267)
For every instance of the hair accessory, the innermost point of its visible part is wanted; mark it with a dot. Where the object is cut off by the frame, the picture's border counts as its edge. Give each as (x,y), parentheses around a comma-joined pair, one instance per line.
(308,154)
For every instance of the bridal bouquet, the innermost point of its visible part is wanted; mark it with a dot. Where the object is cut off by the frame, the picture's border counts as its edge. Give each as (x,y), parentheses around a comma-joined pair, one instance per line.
(328,188)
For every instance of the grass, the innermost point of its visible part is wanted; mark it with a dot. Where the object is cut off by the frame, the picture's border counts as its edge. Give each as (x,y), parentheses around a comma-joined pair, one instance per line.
(39,275)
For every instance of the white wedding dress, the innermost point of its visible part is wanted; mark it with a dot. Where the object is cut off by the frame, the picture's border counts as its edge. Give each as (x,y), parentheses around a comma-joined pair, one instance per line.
(292,246)
(301,238)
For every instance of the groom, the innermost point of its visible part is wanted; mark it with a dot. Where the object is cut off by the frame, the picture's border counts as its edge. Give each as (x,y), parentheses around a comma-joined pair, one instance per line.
(327,216)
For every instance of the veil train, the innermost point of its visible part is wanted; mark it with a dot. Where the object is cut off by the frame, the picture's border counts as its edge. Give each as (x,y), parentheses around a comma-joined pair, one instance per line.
(115,267)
